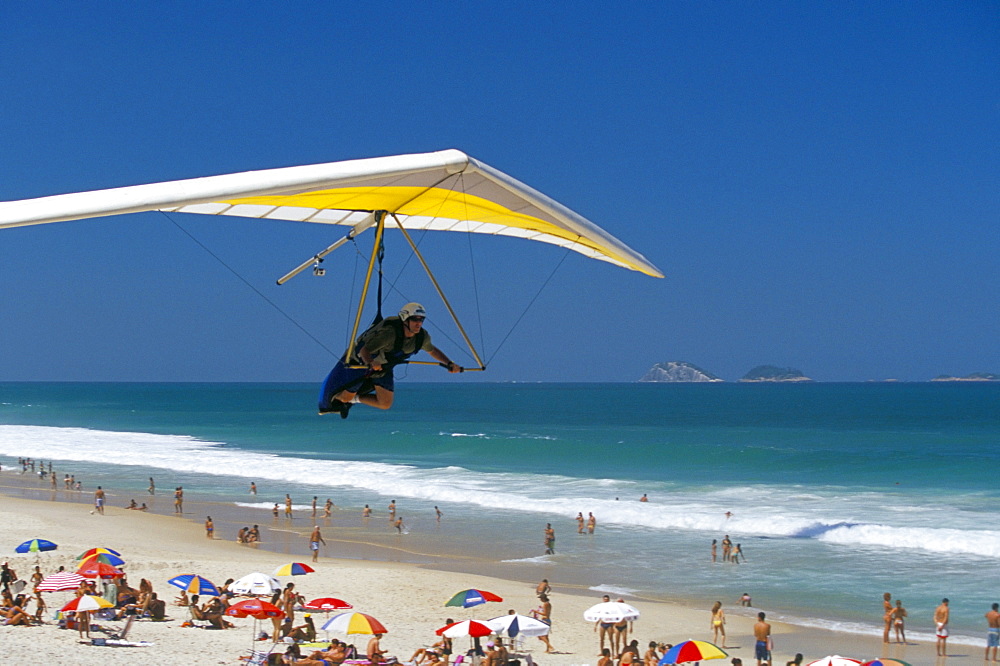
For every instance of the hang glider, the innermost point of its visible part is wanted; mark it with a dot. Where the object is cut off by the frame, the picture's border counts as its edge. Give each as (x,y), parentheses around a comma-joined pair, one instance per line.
(441,191)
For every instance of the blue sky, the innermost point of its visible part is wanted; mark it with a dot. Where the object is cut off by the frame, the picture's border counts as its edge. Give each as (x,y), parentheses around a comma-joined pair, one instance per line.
(818,181)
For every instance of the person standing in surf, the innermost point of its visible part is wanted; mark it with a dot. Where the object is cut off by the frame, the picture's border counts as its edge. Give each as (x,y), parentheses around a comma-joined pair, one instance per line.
(379,349)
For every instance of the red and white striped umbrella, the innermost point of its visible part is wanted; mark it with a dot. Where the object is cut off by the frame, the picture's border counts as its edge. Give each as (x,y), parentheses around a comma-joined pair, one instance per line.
(64,580)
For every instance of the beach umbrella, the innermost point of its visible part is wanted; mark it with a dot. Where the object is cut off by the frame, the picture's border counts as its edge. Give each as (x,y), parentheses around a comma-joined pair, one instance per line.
(468,598)
(87,602)
(258,609)
(465,628)
(64,580)
(517,625)
(99,570)
(886,661)
(327,604)
(692,651)
(97,551)
(610,611)
(255,608)
(195,584)
(354,623)
(835,660)
(255,583)
(35,546)
(103,558)
(293,569)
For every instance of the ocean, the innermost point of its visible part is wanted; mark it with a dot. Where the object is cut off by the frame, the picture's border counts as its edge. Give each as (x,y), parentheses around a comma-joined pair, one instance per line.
(837,492)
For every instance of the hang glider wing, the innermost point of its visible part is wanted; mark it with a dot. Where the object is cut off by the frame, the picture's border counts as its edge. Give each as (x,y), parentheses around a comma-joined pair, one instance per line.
(440,191)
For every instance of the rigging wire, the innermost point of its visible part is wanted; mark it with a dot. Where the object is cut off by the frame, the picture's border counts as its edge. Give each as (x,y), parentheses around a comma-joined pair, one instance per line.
(248,284)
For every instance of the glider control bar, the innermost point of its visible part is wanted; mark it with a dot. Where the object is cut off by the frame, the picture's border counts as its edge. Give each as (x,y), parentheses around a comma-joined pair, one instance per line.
(364,225)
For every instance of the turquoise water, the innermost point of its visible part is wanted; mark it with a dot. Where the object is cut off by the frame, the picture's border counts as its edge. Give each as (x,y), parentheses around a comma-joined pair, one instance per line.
(838,492)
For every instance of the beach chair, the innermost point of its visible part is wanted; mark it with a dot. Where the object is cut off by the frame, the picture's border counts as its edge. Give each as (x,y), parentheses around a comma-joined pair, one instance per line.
(124,631)
(259,657)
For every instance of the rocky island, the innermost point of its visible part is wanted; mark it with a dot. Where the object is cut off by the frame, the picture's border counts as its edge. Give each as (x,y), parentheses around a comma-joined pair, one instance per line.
(678,371)
(770,373)
(974,377)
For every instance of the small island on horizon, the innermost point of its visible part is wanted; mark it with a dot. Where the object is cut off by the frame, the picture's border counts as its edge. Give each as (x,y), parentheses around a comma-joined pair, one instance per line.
(682,372)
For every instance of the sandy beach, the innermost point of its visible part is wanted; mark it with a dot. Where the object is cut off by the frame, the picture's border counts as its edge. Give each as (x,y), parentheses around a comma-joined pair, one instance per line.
(407,598)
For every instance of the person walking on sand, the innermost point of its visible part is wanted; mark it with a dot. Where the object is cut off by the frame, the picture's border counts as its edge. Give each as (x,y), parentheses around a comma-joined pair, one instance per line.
(992,631)
(315,539)
(941,615)
(209,527)
(898,621)
(718,624)
(99,500)
(762,633)
(544,614)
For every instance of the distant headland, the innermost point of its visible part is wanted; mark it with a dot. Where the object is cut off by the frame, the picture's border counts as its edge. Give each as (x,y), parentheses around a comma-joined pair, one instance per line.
(683,372)
(974,377)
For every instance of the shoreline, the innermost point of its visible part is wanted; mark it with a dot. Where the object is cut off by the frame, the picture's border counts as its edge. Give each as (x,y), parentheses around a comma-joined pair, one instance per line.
(171,547)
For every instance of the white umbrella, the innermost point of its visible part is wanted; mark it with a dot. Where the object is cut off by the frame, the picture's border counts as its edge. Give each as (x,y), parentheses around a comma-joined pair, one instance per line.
(835,660)
(610,611)
(517,625)
(255,583)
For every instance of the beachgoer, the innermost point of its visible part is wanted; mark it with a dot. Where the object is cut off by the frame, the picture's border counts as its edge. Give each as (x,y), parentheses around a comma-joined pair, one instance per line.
(253,488)
(644,498)
(366,512)
(399,525)
(581,523)
(745,600)
(209,527)
(941,614)
(383,346)
(605,627)
(327,508)
(288,506)
(718,624)
(762,634)
(543,588)
(992,631)
(727,546)
(797,661)
(274,511)
(550,539)
(314,506)
(886,616)
(314,540)
(143,507)
(735,554)
(99,500)
(898,615)
(651,658)
(438,513)
(179,500)
(714,551)
(605,659)
(392,509)
(152,486)
(729,514)
(544,614)
(591,523)
(374,651)
(253,536)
